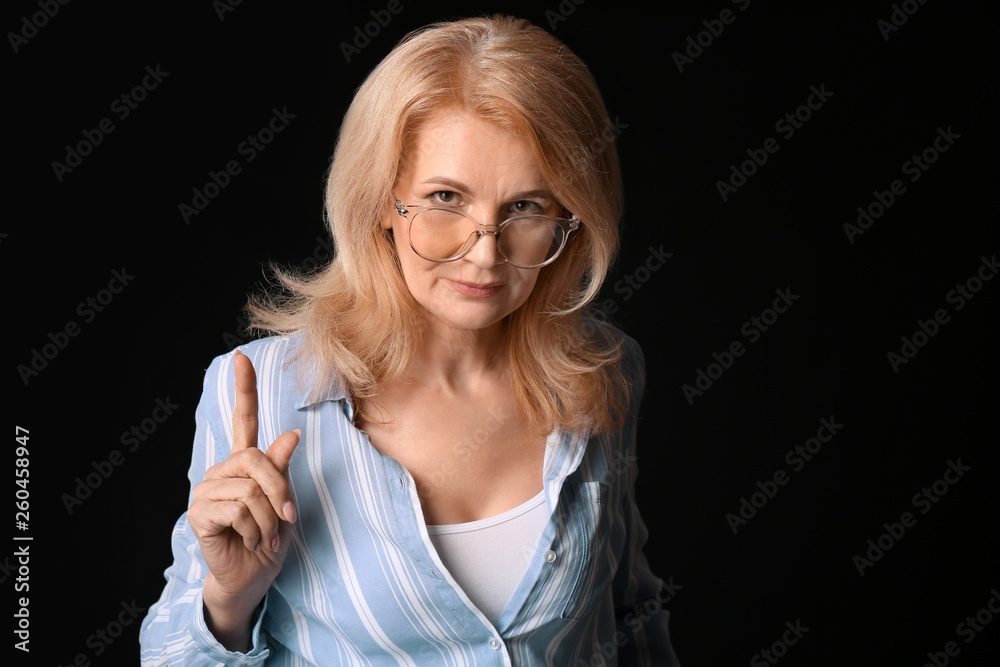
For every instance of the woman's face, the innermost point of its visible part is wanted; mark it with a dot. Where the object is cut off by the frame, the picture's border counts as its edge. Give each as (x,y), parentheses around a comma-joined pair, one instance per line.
(460,160)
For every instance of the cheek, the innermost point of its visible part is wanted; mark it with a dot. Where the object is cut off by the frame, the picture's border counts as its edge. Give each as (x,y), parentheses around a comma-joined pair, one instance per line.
(525,285)
(400,241)
(416,271)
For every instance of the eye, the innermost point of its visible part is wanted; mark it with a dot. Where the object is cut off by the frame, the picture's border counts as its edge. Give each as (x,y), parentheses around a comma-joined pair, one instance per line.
(446,197)
(526,207)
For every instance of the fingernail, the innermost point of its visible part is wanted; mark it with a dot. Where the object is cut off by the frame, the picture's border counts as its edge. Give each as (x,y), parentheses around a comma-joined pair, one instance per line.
(275,542)
(288,509)
(298,432)
(256,546)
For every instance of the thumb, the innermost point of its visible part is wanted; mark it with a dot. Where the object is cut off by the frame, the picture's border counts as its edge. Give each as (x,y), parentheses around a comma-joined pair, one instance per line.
(280,451)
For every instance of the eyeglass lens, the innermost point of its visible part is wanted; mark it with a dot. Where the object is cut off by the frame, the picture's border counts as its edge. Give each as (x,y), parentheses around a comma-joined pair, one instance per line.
(440,234)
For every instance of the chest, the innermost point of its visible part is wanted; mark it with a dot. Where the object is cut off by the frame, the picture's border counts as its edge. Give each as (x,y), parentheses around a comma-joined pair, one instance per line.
(469,460)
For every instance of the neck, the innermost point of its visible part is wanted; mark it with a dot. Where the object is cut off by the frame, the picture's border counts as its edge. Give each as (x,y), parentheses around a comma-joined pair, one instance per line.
(458,359)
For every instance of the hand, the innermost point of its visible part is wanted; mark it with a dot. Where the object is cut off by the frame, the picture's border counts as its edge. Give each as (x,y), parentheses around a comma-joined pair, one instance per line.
(242,514)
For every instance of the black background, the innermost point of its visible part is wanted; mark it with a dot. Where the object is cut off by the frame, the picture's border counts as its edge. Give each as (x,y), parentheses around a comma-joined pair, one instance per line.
(680,132)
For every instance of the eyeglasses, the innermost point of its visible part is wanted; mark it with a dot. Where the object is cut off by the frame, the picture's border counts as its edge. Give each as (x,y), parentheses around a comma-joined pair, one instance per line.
(442,234)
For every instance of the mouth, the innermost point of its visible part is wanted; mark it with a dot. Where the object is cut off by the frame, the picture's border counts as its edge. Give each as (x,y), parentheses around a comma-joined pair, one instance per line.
(477,290)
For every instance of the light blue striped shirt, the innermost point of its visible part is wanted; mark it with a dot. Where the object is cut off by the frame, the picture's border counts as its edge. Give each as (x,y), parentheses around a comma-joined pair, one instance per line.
(362,583)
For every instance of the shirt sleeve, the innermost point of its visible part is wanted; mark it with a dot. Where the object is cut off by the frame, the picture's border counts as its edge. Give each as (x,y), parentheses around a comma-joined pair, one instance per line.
(174,630)
(640,596)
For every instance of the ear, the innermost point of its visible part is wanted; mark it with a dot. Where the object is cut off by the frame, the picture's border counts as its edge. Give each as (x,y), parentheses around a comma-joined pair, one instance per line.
(390,215)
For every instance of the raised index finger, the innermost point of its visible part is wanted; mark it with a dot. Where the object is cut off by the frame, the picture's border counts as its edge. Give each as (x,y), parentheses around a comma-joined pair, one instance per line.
(245,408)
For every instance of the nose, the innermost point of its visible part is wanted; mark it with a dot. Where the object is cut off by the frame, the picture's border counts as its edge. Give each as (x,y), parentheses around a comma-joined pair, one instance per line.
(486,253)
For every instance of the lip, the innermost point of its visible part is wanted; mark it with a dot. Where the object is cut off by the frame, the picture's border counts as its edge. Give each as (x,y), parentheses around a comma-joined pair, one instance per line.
(477,290)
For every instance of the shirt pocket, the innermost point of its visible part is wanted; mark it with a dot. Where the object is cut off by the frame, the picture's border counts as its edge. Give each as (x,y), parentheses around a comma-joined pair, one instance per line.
(589,527)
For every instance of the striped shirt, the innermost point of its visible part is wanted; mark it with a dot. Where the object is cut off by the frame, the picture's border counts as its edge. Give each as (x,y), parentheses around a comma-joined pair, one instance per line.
(362,583)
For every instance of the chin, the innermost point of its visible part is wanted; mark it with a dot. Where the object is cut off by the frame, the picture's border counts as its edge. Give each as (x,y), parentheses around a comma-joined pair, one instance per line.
(471,317)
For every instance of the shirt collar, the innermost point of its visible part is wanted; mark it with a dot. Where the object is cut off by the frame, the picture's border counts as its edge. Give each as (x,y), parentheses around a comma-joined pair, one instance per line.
(306,395)
(307,398)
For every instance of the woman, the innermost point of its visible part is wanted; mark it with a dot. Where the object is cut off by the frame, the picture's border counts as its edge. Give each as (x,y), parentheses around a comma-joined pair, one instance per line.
(447,479)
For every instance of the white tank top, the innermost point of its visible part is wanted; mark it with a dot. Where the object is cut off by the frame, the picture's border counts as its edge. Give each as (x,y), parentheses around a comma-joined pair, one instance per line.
(488,558)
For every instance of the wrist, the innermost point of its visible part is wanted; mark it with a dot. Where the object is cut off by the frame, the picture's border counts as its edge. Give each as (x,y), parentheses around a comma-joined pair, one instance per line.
(229,617)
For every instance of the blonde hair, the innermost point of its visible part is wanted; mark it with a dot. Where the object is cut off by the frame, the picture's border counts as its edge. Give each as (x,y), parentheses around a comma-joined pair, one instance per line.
(358,320)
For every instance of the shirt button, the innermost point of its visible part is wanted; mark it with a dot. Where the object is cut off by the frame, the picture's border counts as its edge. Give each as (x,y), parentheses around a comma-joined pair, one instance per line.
(494,643)
(550,556)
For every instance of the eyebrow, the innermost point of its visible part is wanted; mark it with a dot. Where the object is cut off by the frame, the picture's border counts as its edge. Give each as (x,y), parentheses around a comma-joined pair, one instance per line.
(451,183)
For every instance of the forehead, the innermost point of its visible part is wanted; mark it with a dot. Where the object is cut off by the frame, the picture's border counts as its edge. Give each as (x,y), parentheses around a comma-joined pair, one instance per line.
(455,143)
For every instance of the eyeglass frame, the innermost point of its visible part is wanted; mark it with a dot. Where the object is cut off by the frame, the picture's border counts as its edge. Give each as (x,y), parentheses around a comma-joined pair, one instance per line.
(572,223)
